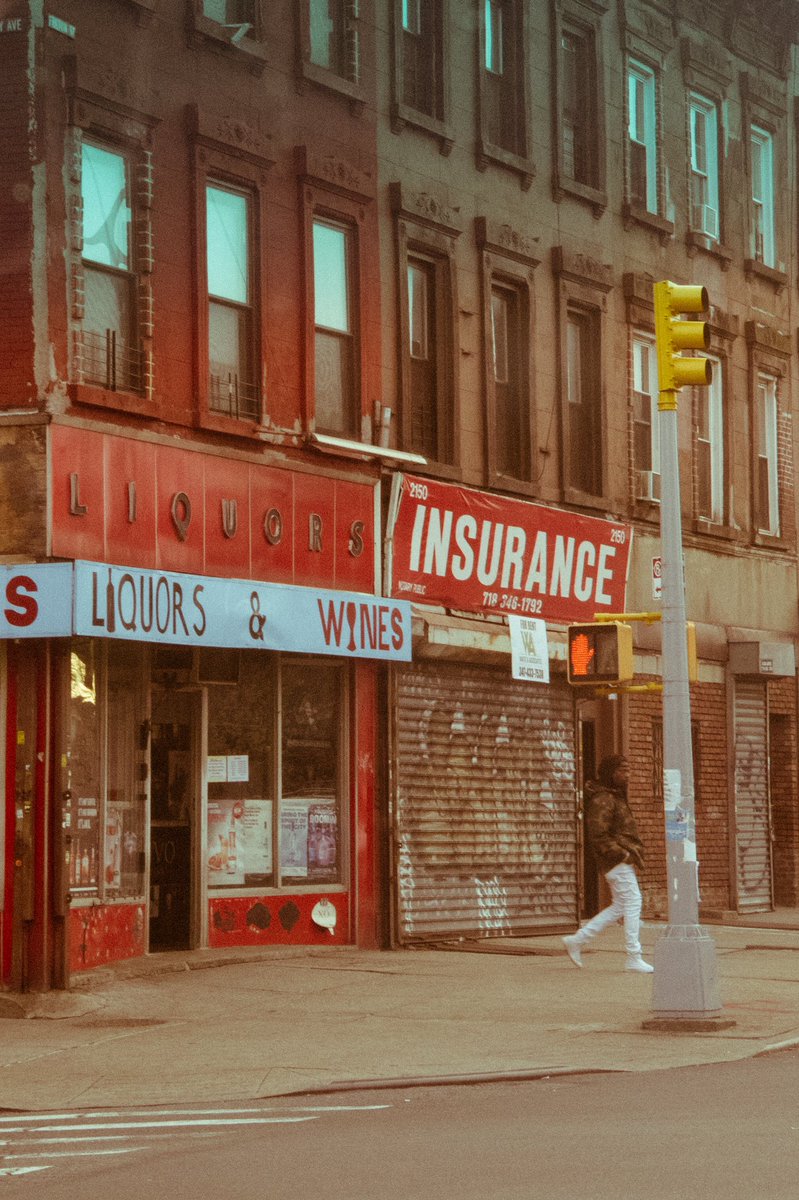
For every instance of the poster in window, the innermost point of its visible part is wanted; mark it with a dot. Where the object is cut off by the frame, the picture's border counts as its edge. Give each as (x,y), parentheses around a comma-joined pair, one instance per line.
(239,842)
(113,848)
(83,861)
(294,838)
(322,841)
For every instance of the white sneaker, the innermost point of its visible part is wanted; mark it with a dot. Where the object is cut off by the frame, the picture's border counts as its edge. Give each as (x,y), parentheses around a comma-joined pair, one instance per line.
(636,963)
(573,949)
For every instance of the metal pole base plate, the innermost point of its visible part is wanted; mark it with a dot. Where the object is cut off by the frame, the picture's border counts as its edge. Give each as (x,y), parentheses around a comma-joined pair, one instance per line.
(689,1023)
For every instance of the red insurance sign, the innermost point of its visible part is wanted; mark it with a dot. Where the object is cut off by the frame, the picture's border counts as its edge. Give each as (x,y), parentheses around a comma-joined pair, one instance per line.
(479,552)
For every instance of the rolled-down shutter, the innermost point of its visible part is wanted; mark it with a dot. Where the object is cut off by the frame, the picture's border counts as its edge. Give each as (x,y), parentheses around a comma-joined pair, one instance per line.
(485,829)
(752,804)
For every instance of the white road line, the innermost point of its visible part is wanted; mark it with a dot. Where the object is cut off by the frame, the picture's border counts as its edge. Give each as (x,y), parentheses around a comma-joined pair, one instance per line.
(187,1112)
(76,1153)
(166,1124)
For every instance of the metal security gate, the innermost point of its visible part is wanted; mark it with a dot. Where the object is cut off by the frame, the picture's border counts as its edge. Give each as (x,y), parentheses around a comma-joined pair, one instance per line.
(752,801)
(484,821)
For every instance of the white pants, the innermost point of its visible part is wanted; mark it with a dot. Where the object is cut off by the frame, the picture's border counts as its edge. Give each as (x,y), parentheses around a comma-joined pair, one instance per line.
(625,906)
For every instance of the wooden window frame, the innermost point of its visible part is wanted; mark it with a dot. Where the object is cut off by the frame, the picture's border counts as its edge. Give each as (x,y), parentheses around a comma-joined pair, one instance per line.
(633,211)
(584,21)
(215,161)
(507,261)
(583,286)
(518,161)
(129,134)
(769,355)
(248,48)
(765,108)
(403,113)
(348,85)
(429,231)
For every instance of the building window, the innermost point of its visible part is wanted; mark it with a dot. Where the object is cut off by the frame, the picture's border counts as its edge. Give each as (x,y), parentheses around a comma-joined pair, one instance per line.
(233,387)
(709,409)
(578,117)
(503,80)
(423,358)
(110,338)
(236,13)
(282,826)
(508,378)
(335,333)
(642,137)
(761,145)
(704,176)
(421,55)
(646,420)
(331,36)
(766,498)
(583,403)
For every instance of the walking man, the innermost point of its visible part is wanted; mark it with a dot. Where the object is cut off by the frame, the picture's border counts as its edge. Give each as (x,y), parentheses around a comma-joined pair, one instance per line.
(618,850)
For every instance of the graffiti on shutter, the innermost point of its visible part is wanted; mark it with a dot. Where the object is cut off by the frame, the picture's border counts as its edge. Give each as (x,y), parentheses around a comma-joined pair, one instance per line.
(485,828)
(752,804)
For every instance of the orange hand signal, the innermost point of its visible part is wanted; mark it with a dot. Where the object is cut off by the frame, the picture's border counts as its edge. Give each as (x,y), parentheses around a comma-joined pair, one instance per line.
(581,654)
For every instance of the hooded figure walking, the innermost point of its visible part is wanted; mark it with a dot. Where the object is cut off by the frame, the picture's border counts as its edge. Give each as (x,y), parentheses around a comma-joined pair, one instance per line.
(618,850)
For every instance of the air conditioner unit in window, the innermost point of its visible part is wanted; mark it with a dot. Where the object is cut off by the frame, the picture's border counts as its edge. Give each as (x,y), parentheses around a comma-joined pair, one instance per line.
(648,485)
(705,220)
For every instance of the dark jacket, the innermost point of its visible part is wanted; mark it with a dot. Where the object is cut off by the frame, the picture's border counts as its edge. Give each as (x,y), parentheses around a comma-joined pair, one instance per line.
(610,827)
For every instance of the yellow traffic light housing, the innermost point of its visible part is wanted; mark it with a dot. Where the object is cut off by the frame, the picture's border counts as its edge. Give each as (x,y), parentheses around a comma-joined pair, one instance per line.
(600,653)
(673,334)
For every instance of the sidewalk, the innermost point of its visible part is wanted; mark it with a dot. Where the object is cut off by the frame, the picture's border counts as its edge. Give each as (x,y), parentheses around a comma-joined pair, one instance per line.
(264,1022)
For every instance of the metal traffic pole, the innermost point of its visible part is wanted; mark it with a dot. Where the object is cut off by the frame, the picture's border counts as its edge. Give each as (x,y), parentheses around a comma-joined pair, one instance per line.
(685,992)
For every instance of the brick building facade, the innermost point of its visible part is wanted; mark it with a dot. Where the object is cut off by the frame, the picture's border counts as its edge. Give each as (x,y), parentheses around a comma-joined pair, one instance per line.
(277,275)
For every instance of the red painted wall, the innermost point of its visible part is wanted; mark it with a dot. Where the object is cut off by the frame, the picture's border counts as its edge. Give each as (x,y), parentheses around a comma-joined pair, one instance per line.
(274,921)
(104,933)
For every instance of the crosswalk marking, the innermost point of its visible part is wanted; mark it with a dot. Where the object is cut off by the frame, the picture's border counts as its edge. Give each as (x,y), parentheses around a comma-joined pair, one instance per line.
(174,1124)
(114,1133)
(19,1118)
(76,1153)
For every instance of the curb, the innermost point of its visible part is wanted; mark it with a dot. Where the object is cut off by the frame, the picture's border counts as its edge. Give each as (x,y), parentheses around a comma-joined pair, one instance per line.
(423,1081)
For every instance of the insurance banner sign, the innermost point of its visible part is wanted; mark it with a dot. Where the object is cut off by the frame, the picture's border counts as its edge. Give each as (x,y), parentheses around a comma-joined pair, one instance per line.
(479,552)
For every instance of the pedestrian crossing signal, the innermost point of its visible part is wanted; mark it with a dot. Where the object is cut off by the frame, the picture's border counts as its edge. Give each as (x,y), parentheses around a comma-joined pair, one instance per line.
(600,653)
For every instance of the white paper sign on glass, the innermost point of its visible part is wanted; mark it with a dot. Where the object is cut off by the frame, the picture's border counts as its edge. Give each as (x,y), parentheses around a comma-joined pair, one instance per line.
(201,610)
(528,648)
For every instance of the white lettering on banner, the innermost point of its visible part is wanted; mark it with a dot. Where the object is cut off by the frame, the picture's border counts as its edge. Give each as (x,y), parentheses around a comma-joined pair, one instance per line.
(190,610)
(482,552)
(570,567)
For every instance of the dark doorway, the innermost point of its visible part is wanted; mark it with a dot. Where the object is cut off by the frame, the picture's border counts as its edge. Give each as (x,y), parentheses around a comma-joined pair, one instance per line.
(173,791)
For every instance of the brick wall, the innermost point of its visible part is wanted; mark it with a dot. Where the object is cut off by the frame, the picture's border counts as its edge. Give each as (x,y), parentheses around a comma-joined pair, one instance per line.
(16,236)
(708,703)
(783,781)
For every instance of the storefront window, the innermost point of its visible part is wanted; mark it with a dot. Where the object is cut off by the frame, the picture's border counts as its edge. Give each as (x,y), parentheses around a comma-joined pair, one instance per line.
(105,792)
(310,834)
(126,798)
(240,771)
(84,769)
(257,803)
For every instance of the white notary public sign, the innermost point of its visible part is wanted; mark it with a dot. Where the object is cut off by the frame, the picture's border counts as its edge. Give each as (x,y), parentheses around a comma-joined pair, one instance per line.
(529,649)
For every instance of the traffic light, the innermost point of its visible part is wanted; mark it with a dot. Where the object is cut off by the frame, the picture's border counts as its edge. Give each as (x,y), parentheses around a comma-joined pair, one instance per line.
(673,334)
(600,653)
